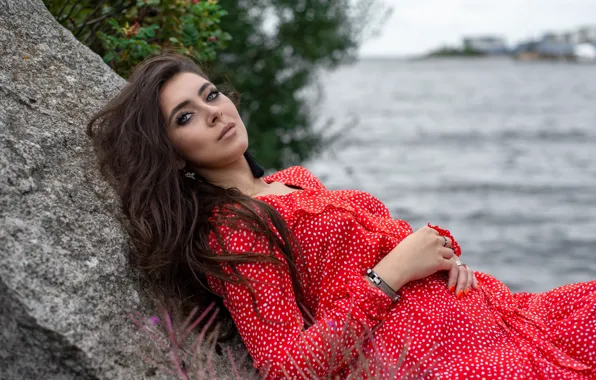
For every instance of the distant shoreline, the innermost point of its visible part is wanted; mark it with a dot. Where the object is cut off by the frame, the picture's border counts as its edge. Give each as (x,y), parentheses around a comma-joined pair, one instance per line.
(488,57)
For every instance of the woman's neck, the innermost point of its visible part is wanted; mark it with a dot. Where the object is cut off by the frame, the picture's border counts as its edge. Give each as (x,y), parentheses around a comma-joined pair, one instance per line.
(236,175)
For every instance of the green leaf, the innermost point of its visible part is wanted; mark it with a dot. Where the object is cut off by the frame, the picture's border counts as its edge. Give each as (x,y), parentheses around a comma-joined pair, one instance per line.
(113,23)
(147,32)
(190,35)
(109,57)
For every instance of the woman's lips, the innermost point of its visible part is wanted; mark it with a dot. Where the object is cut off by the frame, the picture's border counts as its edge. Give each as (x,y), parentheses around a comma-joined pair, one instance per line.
(227,131)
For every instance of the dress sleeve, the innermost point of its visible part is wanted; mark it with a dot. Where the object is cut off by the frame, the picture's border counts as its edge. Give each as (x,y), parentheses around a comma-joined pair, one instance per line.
(277,340)
(446,233)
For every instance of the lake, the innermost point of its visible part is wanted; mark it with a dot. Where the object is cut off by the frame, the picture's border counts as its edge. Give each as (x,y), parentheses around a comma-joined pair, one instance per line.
(501,153)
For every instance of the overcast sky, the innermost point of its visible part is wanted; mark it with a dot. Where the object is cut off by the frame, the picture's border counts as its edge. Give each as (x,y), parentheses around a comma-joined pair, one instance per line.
(417,26)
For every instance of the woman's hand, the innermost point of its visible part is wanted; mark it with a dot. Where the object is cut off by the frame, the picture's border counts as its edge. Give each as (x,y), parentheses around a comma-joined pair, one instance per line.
(417,256)
(461,278)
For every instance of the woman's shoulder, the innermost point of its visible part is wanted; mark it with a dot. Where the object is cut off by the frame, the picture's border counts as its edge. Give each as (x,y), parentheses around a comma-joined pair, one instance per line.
(297,176)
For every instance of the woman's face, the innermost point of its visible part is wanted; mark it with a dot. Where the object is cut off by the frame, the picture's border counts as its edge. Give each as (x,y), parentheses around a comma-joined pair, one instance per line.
(196,114)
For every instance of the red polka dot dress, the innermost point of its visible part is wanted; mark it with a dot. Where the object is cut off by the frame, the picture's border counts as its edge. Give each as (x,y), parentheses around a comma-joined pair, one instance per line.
(427,333)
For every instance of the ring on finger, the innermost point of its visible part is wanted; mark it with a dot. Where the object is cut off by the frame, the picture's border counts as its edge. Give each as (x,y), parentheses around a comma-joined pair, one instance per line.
(445,243)
(459,263)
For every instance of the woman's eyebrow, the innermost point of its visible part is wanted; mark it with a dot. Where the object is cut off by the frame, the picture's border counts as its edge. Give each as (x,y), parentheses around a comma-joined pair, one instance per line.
(176,109)
(203,87)
(185,103)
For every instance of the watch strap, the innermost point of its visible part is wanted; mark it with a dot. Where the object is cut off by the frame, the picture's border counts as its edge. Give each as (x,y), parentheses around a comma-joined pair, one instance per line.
(379,283)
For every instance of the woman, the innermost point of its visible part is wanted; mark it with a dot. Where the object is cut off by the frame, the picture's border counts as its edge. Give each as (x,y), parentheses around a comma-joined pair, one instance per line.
(280,248)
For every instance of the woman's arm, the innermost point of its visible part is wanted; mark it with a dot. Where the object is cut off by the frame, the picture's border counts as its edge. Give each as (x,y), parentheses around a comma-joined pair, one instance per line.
(278,341)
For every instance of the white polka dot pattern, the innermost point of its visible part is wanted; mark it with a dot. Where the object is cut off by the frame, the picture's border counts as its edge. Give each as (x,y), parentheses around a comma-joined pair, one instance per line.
(489,334)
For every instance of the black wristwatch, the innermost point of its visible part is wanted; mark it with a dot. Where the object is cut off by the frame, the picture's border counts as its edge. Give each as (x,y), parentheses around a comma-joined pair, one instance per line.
(379,283)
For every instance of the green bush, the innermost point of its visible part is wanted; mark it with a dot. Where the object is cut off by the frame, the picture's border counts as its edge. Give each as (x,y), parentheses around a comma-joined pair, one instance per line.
(126,32)
(269,50)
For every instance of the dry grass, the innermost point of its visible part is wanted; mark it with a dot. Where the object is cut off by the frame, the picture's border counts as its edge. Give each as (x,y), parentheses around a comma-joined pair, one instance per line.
(185,351)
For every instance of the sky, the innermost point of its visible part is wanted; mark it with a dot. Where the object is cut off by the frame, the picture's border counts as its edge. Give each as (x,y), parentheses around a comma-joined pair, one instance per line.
(417,26)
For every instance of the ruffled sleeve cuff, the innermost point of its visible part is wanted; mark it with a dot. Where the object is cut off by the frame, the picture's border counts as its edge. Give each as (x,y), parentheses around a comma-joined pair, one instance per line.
(446,233)
(371,302)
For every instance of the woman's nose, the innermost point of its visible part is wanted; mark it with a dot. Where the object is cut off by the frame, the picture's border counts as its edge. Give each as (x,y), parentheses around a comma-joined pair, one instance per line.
(214,115)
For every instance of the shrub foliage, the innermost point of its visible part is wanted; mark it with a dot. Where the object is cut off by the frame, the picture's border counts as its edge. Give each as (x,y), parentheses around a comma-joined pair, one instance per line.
(270,50)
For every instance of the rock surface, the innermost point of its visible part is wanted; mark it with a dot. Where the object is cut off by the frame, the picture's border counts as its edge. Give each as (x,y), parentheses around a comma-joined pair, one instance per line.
(65,290)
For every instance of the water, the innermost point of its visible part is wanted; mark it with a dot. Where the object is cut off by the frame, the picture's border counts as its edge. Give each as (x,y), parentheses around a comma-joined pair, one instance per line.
(501,153)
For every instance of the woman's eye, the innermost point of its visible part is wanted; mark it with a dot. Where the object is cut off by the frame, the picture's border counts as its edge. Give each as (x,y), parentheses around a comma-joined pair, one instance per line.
(212,95)
(184,118)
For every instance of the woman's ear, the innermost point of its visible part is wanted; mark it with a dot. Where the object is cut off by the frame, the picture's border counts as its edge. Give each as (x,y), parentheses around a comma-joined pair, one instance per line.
(180,164)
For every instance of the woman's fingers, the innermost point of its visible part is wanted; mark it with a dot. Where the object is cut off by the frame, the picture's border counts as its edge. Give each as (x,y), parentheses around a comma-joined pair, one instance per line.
(462,281)
(474,281)
(447,253)
(430,230)
(453,275)
(470,275)
(445,241)
(444,265)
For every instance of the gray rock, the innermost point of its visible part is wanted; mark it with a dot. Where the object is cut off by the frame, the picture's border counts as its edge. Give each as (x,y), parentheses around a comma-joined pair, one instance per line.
(65,289)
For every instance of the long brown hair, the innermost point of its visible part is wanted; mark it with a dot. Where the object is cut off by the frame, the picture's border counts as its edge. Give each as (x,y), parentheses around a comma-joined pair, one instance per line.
(168,214)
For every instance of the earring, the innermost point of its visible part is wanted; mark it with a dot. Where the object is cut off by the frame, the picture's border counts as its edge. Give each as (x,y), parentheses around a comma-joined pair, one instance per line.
(189,174)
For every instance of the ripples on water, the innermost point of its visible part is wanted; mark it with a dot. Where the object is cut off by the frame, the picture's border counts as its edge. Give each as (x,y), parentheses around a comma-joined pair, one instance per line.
(502,153)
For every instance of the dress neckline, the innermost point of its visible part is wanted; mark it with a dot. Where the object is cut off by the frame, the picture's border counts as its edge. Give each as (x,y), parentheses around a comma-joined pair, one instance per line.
(297,189)
(296,177)
(269,180)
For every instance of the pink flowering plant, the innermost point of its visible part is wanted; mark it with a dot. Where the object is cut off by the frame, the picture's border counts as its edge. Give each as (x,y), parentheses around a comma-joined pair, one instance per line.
(186,350)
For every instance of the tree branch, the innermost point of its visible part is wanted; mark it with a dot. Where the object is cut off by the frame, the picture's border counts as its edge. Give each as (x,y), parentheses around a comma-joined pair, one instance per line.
(59,16)
(72,9)
(78,30)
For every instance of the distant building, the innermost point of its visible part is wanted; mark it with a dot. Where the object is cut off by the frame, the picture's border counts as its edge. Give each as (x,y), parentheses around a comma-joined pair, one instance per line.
(553,45)
(585,52)
(587,34)
(526,51)
(570,37)
(486,44)
(574,45)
